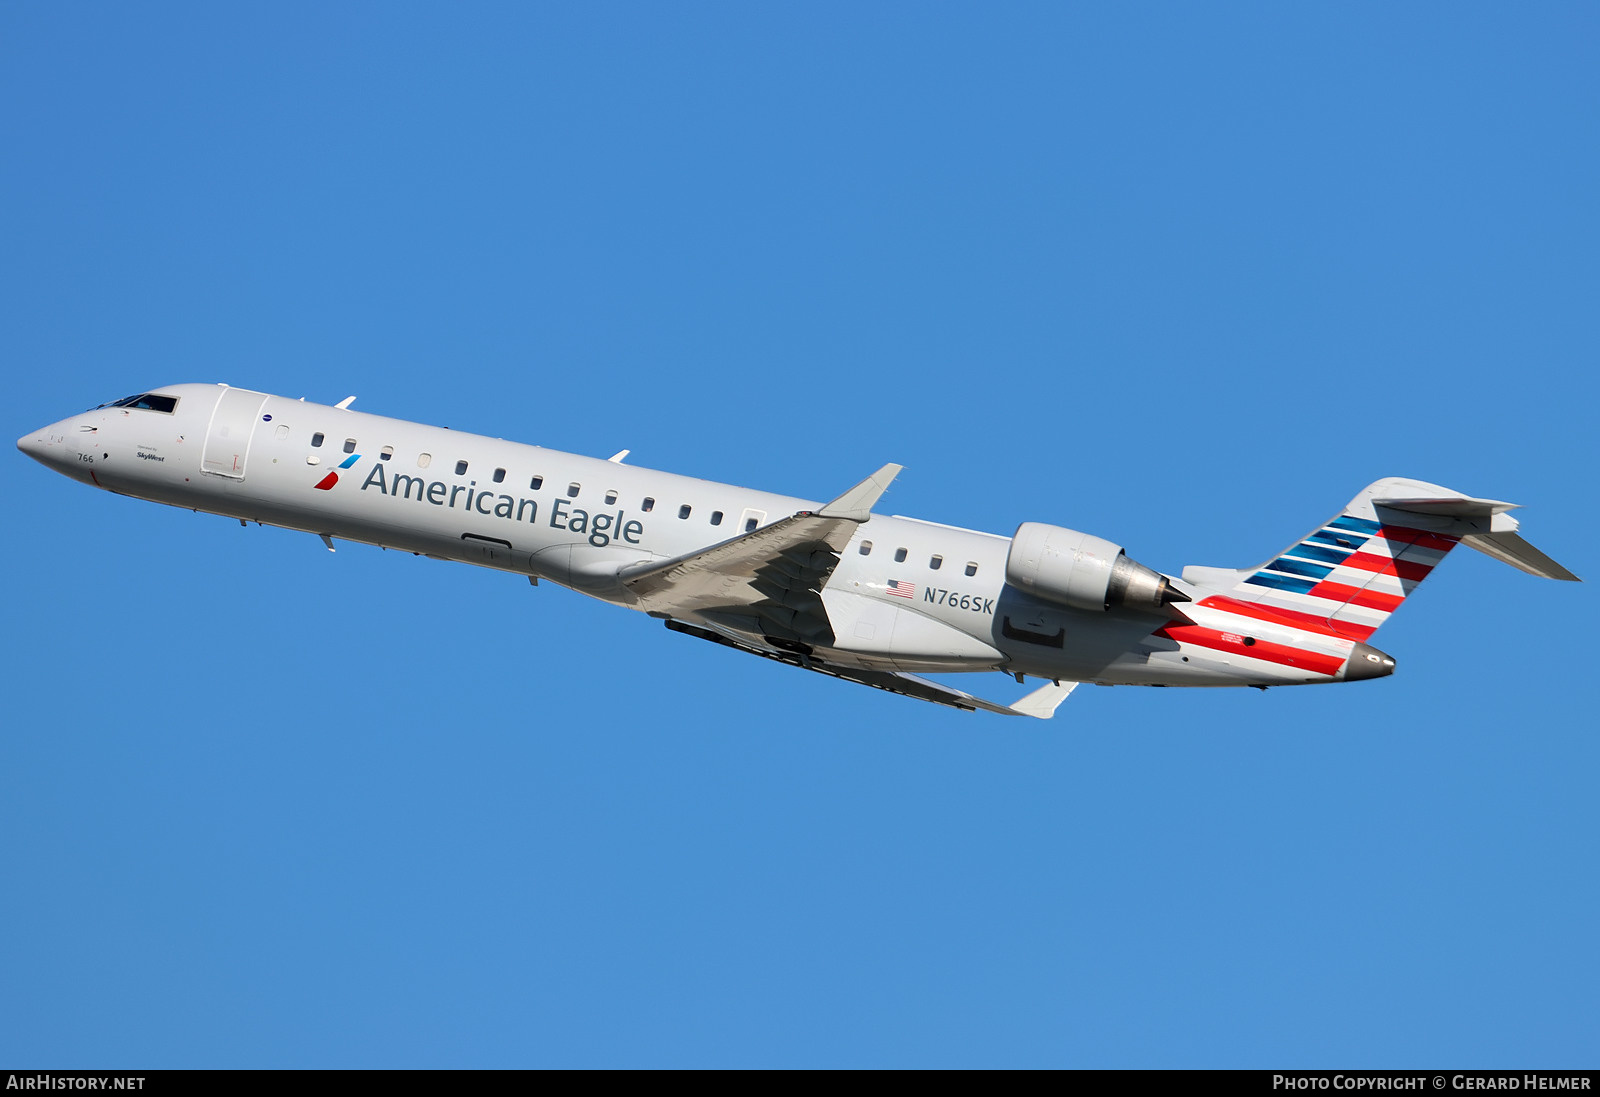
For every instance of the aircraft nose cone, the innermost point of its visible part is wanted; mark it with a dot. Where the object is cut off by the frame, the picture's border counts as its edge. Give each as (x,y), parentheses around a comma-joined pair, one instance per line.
(52,446)
(32,444)
(1367,662)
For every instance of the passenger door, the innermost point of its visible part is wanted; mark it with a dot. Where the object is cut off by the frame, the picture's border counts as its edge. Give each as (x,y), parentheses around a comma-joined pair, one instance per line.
(233,424)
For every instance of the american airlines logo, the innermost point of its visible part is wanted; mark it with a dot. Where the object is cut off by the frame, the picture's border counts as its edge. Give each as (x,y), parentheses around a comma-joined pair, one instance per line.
(333,477)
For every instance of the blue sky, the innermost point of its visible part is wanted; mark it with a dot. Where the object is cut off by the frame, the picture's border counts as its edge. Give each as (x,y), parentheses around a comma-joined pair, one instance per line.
(1182,276)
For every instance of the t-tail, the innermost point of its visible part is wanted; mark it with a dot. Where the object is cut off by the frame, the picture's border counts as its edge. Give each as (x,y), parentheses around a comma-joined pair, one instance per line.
(1349,574)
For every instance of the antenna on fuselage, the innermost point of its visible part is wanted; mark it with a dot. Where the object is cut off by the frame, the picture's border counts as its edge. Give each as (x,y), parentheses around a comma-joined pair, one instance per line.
(344,405)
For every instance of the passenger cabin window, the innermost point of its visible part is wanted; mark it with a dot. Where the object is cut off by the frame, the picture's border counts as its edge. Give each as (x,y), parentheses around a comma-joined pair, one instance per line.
(866,548)
(749,525)
(461,468)
(424,460)
(936,563)
(648,505)
(386,454)
(536,483)
(972,567)
(899,555)
(611,497)
(349,445)
(499,476)
(683,511)
(716,518)
(573,489)
(316,440)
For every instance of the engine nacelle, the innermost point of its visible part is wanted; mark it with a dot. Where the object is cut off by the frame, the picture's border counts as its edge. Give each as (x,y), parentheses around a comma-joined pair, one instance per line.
(1083,571)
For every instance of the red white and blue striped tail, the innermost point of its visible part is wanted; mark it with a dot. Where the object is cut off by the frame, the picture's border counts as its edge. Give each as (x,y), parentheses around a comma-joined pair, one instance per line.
(1349,574)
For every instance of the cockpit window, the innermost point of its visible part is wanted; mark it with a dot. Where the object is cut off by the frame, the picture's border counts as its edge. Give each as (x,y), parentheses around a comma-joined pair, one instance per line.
(146,401)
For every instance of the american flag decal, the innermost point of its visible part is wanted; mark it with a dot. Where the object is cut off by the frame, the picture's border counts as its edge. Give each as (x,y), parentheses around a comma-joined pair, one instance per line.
(902,589)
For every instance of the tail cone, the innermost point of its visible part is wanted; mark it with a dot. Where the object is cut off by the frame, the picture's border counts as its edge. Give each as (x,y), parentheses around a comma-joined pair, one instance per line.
(1367,662)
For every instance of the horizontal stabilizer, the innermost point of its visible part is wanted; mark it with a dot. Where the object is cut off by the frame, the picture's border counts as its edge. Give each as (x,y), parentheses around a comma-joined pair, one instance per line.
(1511,548)
(1455,506)
(1482,524)
(1043,702)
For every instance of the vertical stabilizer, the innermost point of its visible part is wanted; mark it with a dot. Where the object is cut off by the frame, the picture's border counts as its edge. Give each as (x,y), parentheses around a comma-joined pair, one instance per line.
(1349,574)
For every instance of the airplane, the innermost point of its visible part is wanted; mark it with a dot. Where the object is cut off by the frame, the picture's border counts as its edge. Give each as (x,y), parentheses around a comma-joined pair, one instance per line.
(830,587)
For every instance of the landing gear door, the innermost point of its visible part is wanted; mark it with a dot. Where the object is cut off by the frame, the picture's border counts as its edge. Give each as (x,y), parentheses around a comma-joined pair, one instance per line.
(228,437)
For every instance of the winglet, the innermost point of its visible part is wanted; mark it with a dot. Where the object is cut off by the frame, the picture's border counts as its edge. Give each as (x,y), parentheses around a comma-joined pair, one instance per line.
(1043,702)
(856,504)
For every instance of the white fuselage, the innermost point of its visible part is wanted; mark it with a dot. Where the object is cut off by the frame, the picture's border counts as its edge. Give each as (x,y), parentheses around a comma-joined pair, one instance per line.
(906,595)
